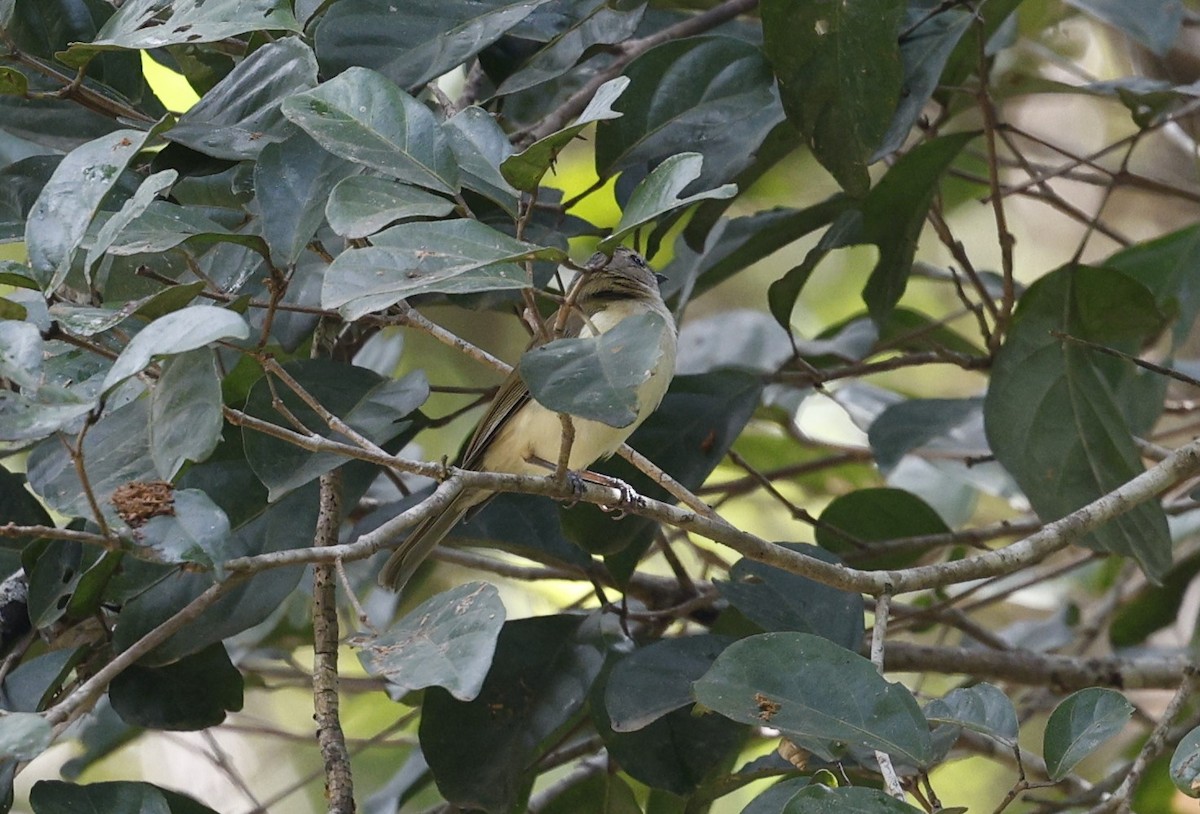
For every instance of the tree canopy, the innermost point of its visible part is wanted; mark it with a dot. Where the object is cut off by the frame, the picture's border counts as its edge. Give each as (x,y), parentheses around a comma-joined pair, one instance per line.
(920,496)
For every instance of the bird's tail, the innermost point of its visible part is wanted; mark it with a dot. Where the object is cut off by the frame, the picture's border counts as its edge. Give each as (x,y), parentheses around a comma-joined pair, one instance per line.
(421,541)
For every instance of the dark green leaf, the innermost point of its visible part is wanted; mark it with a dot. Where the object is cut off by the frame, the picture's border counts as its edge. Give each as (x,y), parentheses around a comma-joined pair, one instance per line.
(18,506)
(371,404)
(363,204)
(527,525)
(894,213)
(1083,721)
(820,695)
(240,116)
(660,192)
(845,230)
(24,735)
(453,257)
(982,708)
(525,169)
(776,600)
(598,378)
(70,199)
(818,799)
(1165,265)
(737,243)
(446,641)
(185,411)
(178,332)
(538,683)
(657,679)
(924,52)
(187,695)
(597,793)
(480,146)
(21,349)
(1153,23)
(143,25)
(1052,415)
(1153,607)
(362,116)
(595,22)
(196,531)
(1185,764)
(118,797)
(867,516)
(839,70)
(744,339)
(712,94)
(416,42)
(292,182)
(676,751)
(116,451)
(938,424)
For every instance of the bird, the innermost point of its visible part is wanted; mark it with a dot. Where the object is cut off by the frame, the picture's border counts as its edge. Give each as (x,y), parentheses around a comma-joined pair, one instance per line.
(518,435)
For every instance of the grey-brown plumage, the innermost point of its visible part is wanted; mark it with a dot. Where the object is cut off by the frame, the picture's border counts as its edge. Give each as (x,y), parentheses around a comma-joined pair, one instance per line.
(519,436)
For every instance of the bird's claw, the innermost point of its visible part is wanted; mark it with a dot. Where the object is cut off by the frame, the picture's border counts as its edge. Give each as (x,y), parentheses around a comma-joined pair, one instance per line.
(575,481)
(629,499)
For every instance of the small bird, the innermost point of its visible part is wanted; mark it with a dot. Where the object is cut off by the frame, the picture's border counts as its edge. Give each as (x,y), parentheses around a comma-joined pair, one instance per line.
(519,436)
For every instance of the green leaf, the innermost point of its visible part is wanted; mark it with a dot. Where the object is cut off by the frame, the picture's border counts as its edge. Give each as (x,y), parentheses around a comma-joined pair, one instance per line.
(191,694)
(845,230)
(982,708)
(115,451)
(19,506)
(525,169)
(118,797)
(599,377)
(196,531)
(598,793)
(415,42)
(185,411)
(874,515)
(839,71)
(362,116)
(13,82)
(446,641)
(363,204)
(1053,412)
(24,735)
(453,257)
(480,146)
(659,193)
(164,226)
(925,51)
(1153,607)
(657,679)
(1153,23)
(240,115)
(1165,265)
(21,349)
(677,751)
(526,525)
(894,214)
(1185,764)
(1079,724)
(538,684)
(818,799)
(292,182)
(147,191)
(818,694)
(948,424)
(776,600)
(70,199)
(146,24)
(711,94)
(371,404)
(178,332)
(595,23)
(738,243)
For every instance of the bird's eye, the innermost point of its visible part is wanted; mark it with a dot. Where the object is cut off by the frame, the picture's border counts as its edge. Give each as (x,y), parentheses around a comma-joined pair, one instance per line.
(637,260)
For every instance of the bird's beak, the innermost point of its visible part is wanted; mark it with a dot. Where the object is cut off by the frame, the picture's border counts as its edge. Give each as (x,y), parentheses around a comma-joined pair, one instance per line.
(662,278)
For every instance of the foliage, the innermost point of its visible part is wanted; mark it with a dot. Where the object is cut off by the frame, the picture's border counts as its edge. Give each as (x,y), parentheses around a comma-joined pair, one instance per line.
(233,344)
